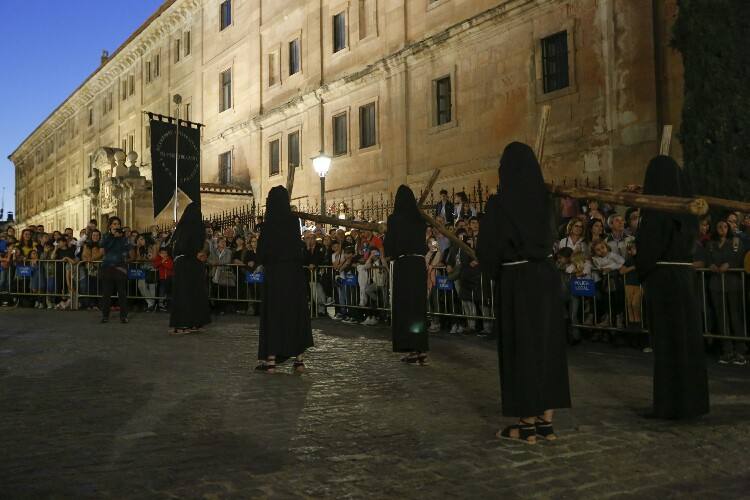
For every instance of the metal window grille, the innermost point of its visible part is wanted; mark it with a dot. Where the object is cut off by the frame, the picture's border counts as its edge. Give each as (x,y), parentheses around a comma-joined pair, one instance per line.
(274,154)
(340,145)
(367,128)
(555,62)
(294,57)
(226,90)
(226,14)
(271,70)
(339,32)
(443,100)
(225,168)
(293,149)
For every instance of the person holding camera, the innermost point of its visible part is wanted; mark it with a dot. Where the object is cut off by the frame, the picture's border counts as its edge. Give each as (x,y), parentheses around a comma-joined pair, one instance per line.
(114,269)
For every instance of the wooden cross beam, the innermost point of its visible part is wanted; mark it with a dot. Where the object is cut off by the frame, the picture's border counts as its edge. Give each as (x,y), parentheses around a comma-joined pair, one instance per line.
(666,140)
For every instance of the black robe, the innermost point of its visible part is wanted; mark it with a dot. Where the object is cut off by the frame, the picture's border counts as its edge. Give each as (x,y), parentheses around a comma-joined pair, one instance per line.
(285,329)
(405,244)
(672,304)
(189,286)
(528,304)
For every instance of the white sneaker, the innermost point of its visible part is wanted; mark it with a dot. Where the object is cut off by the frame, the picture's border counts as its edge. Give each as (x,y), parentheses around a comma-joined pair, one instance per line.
(329,301)
(366,322)
(454,328)
(434,328)
(459,329)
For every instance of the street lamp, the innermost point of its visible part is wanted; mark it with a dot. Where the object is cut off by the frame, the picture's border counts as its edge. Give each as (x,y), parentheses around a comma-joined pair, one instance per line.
(321,164)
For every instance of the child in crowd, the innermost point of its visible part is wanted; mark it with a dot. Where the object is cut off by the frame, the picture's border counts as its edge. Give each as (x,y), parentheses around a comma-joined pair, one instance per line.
(607,262)
(632,285)
(164,265)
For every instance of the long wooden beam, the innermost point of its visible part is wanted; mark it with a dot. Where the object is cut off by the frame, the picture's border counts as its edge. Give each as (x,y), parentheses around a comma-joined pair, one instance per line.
(733,205)
(695,206)
(383,228)
(452,237)
(335,221)
(428,187)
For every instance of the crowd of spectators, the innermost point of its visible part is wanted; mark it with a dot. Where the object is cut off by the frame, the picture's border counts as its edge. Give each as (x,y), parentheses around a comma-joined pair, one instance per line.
(349,275)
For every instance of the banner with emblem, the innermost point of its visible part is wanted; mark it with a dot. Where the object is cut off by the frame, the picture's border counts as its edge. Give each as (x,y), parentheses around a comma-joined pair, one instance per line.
(164,147)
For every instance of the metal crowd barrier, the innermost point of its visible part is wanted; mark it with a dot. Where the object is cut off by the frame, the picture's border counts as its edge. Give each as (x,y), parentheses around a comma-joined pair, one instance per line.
(610,306)
(42,280)
(361,287)
(143,283)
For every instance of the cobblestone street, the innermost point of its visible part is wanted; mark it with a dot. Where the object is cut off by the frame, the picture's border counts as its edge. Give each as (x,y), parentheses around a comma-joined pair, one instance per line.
(126,411)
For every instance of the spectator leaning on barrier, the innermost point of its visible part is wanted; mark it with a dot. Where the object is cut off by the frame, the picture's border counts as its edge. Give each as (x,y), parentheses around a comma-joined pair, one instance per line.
(140,258)
(65,254)
(617,236)
(222,274)
(575,239)
(609,264)
(633,293)
(727,252)
(114,271)
(88,278)
(164,266)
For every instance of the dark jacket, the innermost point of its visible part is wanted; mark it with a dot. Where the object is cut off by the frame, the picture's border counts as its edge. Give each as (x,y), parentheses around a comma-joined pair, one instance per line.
(115,251)
(449,211)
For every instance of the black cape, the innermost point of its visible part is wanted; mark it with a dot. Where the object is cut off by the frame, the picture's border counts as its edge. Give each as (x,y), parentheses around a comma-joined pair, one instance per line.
(528,303)
(285,329)
(405,244)
(189,286)
(672,304)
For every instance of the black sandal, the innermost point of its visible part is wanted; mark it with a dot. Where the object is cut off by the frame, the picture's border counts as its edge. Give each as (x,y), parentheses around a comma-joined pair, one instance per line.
(179,331)
(298,367)
(422,358)
(544,429)
(266,367)
(526,433)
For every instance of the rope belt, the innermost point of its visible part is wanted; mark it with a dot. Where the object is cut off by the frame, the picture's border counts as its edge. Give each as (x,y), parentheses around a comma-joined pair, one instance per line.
(410,255)
(665,263)
(517,262)
(177,257)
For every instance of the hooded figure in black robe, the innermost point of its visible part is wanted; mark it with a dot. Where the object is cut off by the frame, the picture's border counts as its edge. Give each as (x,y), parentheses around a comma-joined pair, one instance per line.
(405,245)
(190,309)
(285,329)
(514,248)
(663,261)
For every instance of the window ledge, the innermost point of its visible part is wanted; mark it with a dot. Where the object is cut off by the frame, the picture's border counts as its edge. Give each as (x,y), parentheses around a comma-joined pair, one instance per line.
(437,3)
(542,97)
(436,129)
(370,149)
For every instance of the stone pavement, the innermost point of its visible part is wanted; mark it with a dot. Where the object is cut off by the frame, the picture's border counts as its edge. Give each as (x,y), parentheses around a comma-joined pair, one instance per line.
(126,411)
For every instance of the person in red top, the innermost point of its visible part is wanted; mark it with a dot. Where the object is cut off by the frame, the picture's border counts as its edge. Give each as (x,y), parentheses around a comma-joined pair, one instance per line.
(164,265)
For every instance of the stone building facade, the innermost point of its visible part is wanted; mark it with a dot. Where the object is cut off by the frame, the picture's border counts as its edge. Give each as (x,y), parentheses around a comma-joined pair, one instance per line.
(391,89)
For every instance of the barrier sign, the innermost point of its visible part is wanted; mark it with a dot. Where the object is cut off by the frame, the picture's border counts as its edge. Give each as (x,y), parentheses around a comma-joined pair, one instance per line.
(582,287)
(254,278)
(136,274)
(443,284)
(24,271)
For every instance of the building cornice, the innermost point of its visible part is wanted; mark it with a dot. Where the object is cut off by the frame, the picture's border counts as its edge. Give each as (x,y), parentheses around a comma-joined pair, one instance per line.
(170,16)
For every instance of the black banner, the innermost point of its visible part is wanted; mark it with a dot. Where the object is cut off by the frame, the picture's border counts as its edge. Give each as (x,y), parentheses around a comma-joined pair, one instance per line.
(163,162)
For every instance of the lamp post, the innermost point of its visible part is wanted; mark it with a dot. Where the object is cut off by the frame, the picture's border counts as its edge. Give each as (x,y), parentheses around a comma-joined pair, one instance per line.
(321,164)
